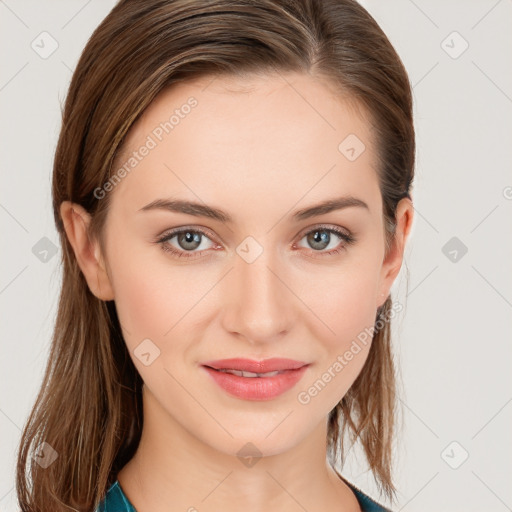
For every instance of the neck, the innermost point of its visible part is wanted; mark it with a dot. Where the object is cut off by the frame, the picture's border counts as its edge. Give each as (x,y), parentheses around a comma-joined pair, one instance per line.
(174,470)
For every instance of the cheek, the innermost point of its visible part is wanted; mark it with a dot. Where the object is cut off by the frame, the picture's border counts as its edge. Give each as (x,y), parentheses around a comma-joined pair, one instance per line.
(149,290)
(351,309)
(149,295)
(160,306)
(154,312)
(144,304)
(344,294)
(345,302)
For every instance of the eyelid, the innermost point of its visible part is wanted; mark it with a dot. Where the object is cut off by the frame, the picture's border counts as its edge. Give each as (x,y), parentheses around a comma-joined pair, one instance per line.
(199,229)
(346,236)
(327,227)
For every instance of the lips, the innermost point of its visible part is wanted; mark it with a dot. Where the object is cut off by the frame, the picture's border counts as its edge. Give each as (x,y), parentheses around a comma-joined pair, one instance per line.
(256,367)
(255,380)
(242,373)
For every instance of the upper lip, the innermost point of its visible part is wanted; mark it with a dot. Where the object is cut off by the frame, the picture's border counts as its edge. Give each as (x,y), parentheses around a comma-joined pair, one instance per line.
(251,365)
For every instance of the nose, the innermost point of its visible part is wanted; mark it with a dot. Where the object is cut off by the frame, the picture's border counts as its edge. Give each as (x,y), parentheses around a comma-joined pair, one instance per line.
(259,303)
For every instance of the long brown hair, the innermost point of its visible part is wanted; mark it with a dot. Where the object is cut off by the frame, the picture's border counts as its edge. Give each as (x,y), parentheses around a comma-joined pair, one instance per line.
(89,409)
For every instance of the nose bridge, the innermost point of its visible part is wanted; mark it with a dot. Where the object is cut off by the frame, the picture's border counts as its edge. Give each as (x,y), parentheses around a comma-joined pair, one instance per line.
(260,306)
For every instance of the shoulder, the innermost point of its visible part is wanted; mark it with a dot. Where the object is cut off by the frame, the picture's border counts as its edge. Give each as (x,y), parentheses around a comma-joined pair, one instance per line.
(115,501)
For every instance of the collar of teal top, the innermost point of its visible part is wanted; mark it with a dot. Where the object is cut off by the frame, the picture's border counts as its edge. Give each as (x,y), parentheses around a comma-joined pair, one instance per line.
(116,501)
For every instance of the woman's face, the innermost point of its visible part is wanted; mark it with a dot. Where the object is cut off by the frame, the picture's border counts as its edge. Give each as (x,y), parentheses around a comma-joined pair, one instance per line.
(272,281)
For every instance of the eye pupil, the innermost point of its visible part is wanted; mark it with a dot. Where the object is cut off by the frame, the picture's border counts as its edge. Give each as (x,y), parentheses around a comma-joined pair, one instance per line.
(189,237)
(321,237)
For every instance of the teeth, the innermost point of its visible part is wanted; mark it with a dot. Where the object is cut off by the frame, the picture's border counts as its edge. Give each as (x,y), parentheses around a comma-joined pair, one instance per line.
(241,373)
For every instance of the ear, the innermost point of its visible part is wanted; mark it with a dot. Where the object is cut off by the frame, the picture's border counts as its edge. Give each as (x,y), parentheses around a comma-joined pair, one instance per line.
(393,260)
(88,254)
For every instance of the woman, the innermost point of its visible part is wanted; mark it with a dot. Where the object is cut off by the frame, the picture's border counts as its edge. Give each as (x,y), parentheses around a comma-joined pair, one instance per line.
(232,190)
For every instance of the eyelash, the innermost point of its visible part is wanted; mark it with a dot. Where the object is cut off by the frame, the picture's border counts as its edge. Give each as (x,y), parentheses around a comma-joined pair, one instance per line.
(348,239)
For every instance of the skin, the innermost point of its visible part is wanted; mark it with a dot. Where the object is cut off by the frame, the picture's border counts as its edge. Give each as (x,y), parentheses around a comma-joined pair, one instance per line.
(260,148)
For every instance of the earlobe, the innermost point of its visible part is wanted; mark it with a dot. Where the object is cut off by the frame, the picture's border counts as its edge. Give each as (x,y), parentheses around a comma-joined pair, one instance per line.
(393,261)
(87,252)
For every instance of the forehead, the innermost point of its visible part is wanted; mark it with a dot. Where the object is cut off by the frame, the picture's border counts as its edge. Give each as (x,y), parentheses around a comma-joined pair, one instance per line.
(268,137)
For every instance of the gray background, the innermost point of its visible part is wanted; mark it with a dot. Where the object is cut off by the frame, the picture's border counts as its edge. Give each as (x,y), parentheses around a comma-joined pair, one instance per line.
(453,339)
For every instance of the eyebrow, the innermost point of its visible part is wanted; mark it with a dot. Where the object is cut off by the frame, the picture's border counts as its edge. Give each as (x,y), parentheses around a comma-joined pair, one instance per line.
(203,210)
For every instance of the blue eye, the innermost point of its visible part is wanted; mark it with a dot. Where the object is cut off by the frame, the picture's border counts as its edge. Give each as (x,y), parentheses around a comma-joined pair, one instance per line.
(190,240)
(320,238)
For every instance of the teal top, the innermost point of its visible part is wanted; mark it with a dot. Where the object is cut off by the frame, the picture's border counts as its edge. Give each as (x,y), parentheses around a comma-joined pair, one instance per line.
(116,501)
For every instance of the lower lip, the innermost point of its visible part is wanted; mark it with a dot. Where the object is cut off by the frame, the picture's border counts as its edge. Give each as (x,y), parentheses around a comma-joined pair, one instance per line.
(256,388)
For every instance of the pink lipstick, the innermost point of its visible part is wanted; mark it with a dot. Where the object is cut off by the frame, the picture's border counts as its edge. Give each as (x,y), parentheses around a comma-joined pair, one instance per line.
(256,380)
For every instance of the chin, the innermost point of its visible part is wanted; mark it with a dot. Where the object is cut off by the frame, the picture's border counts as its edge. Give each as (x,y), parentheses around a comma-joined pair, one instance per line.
(255,443)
